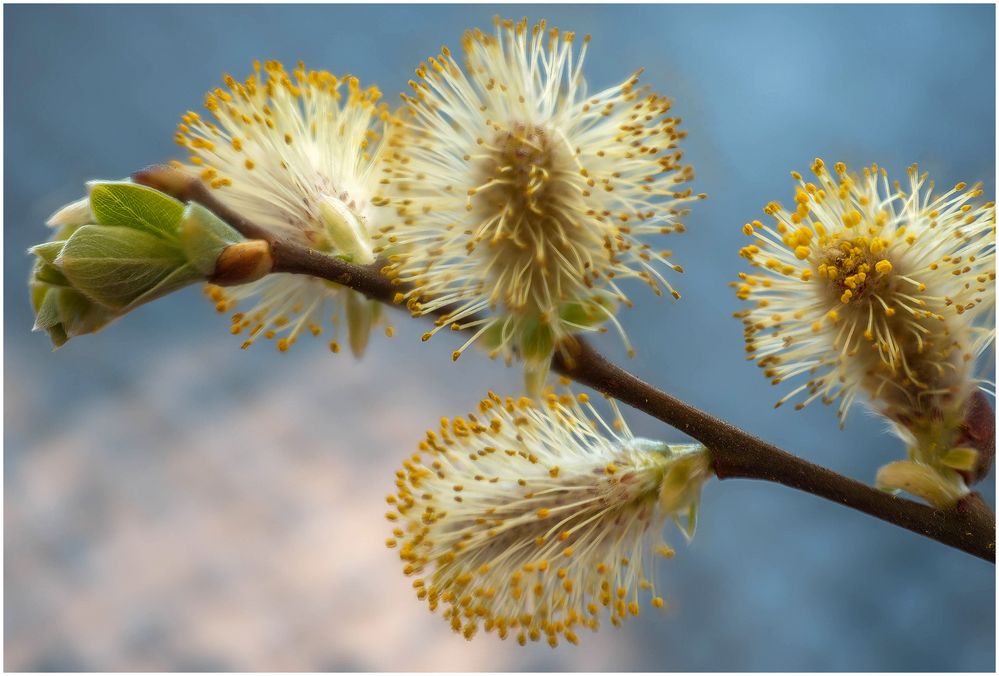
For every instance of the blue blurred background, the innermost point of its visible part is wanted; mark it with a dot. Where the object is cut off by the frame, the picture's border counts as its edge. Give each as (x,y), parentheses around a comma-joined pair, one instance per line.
(174,503)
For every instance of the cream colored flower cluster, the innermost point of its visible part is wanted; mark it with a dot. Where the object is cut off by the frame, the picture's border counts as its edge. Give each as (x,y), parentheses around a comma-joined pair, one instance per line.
(885,293)
(537,519)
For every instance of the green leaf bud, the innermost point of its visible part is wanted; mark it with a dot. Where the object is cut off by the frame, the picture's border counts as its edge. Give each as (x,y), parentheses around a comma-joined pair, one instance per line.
(126,245)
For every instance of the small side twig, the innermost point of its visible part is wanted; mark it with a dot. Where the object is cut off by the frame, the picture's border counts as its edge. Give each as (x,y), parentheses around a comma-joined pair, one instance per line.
(969,526)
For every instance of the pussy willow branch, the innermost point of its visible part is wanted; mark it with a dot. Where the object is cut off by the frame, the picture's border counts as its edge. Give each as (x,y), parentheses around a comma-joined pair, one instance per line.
(969,526)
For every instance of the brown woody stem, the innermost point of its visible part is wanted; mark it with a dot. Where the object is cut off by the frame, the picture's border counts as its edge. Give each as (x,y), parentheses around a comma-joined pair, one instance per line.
(969,526)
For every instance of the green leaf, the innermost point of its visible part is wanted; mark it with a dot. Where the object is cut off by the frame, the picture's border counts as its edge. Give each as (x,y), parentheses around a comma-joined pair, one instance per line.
(690,526)
(536,341)
(79,315)
(360,312)
(116,266)
(72,214)
(58,336)
(588,312)
(492,337)
(65,232)
(137,207)
(203,237)
(963,458)
(183,276)
(47,251)
(536,376)
(46,302)
(37,292)
(939,487)
(63,312)
(49,274)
